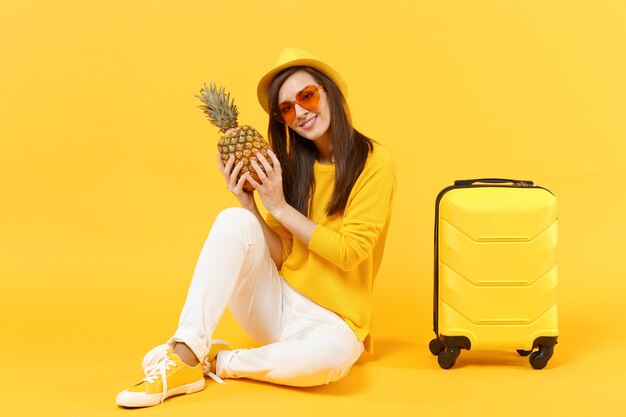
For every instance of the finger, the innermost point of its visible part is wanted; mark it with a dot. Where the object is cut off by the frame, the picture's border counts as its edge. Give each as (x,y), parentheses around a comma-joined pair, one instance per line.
(220,163)
(232,181)
(259,171)
(277,168)
(229,166)
(242,181)
(263,161)
(269,171)
(251,180)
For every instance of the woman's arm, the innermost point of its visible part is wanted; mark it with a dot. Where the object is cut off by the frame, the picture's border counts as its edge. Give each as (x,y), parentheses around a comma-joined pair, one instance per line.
(365,216)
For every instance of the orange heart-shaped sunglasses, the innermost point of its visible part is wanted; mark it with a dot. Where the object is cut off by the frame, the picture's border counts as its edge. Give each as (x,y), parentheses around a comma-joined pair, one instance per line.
(308,98)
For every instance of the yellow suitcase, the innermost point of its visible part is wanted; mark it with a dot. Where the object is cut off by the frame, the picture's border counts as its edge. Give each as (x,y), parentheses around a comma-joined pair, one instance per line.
(495,270)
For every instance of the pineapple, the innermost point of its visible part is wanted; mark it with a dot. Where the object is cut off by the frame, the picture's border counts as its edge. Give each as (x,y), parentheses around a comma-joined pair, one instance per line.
(241,141)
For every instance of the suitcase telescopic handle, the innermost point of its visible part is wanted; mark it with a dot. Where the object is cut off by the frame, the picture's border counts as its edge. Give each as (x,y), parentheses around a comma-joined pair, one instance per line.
(519,183)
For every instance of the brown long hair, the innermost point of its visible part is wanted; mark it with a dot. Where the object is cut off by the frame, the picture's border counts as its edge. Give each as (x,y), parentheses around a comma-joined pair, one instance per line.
(297,154)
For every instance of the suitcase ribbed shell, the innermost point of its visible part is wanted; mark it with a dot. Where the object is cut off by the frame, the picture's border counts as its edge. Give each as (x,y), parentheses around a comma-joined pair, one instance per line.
(497,265)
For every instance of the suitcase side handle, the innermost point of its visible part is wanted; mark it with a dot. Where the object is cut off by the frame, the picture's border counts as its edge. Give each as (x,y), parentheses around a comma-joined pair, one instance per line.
(518,183)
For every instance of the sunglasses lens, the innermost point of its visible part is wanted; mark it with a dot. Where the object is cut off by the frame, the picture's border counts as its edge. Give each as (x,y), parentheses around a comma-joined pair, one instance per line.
(286,113)
(309,98)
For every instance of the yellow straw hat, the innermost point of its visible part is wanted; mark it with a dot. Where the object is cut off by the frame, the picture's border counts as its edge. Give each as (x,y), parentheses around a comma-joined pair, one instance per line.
(294,57)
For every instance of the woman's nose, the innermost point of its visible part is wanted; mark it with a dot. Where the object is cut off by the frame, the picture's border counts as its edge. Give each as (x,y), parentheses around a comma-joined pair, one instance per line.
(300,110)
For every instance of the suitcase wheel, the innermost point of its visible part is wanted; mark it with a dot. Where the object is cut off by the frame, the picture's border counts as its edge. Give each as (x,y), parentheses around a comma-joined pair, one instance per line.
(447,358)
(436,346)
(539,359)
(522,352)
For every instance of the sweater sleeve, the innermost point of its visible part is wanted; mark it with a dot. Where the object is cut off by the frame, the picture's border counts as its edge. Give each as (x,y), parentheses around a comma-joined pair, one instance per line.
(363,219)
(286,238)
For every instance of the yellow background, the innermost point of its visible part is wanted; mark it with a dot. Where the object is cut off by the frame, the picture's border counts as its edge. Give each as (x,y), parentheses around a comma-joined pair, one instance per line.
(109,186)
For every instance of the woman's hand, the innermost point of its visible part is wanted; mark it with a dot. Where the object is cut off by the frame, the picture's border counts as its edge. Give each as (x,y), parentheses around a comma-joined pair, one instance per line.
(245,198)
(270,188)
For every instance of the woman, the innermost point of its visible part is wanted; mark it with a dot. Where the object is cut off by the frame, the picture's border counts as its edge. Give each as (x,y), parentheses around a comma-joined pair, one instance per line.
(300,280)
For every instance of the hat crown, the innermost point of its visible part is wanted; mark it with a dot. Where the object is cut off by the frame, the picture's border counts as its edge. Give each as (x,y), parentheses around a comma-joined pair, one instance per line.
(293,54)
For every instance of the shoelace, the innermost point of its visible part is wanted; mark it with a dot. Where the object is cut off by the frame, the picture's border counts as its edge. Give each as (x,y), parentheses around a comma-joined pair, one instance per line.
(162,364)
(206,363)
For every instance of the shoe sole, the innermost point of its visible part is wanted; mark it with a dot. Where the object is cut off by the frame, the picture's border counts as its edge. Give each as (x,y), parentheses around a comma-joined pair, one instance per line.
(141,399)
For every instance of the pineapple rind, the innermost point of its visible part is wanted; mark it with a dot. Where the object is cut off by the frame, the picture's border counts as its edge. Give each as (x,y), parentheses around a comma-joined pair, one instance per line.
(244,142)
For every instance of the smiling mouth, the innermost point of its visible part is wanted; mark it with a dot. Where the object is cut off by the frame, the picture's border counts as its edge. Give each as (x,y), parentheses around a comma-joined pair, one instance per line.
(308,122)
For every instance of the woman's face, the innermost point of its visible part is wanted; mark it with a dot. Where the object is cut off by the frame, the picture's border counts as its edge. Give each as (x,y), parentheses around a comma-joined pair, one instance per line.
(310,124)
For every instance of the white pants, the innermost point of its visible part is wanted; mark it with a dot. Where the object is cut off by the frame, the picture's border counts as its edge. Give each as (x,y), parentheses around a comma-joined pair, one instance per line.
(304,344)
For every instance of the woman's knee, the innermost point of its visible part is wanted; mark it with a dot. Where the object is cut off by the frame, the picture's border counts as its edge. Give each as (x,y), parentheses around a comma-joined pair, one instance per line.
(336,354)
(235,215)
(344,352)
(232,219)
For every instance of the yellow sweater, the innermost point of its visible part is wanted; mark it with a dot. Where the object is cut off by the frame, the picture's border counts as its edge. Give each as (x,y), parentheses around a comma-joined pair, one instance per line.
(338,267)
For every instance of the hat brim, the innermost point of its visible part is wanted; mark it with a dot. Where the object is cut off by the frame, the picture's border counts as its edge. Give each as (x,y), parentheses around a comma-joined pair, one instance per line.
(264,85)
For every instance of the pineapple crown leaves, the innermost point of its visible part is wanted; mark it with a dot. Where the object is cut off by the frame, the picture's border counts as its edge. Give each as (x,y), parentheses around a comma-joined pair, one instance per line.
(218,107)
